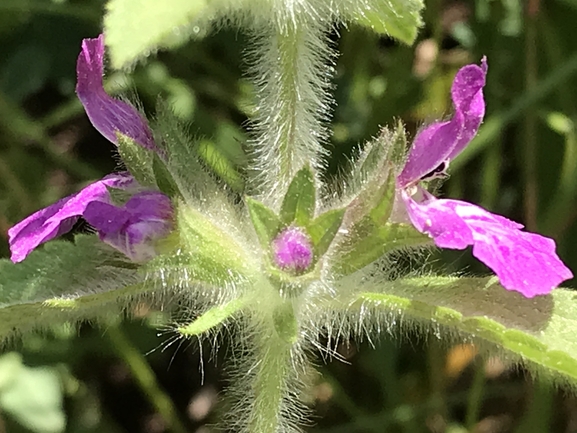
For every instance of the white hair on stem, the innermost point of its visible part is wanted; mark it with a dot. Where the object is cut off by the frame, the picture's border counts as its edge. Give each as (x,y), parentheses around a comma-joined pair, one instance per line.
(291,66)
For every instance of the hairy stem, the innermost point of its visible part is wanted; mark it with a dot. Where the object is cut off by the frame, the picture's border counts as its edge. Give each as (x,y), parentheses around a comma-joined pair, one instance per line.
(268,388)
(291,67)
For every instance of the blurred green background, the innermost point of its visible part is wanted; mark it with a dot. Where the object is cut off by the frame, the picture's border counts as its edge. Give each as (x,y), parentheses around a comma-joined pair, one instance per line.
(522,165)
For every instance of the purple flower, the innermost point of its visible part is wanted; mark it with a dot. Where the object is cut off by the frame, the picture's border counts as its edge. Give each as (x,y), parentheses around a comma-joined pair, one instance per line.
(292,250)
(131,228)
(523,261)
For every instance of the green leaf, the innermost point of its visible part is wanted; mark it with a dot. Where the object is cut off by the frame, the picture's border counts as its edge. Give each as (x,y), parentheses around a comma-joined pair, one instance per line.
(134,28)
(32,396)
(65,281)
(399,19)
(383,199)
(324,228)
(368,242)
(265,221)
(300,199)
(211,318)
(539,332)
(137,159)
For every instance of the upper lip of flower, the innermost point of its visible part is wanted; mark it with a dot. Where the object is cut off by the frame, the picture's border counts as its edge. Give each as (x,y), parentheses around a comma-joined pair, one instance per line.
(108,115)
(443,141)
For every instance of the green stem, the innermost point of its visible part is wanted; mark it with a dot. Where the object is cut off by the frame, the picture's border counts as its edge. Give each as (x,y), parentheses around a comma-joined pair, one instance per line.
(142,372)
(538,416)
(273,384)
(436,362)
(475,397)
(530,127)
(270,388)
(291,74)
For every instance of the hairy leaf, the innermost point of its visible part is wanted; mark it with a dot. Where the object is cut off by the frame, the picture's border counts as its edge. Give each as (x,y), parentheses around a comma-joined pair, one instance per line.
(539,332)
(134,28)
(368,241)
(213,317)
(399,19)
(65,281)
(163,178)
(208,251)
(181,155)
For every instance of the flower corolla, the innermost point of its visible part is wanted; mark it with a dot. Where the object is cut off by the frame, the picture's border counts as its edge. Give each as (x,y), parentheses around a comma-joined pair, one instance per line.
(132,227)
(524,262)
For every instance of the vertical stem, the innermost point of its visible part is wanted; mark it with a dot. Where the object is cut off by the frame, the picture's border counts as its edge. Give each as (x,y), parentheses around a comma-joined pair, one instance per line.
(267,387)
(270,387)
(539,413)
(15,187)
(436,360)
(291,67)
(475,396)
(530,160)
(146,379)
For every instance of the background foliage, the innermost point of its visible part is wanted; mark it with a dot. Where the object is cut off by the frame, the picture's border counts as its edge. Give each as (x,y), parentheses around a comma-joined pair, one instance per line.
(521,165)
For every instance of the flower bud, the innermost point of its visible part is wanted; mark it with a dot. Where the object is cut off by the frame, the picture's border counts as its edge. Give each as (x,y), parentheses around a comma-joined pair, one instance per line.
(292,250)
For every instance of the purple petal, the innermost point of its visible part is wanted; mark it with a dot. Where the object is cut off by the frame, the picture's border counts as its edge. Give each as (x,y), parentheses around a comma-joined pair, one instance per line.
(135,227)
(108,115)
(57,219)
(523,261)
(443,141)
(292,250)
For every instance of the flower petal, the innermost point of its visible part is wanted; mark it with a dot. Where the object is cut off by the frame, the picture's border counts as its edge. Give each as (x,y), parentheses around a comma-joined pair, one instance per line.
(443,141)
(523,261)
(108,115)
(134,227)
(59,218)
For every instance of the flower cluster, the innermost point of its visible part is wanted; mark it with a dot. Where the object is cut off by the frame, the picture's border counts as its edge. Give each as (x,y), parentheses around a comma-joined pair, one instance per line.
(132,227)
(524,262)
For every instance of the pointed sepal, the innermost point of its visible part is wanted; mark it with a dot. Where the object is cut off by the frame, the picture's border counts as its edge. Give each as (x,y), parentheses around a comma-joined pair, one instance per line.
(137,159)
(163,178)
(368,242)
(324,228)
(300,200)
(265,221)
